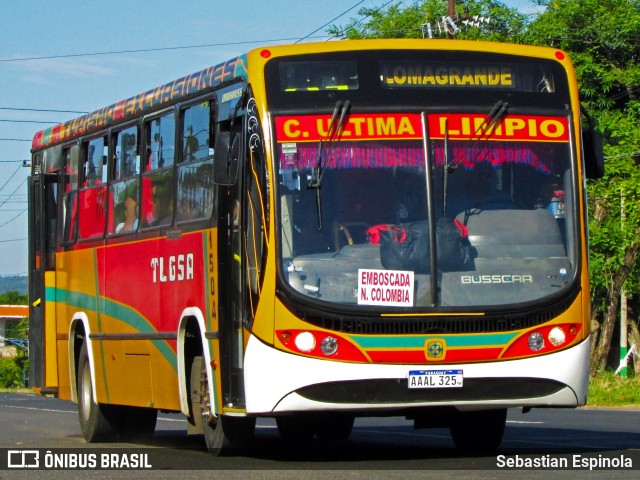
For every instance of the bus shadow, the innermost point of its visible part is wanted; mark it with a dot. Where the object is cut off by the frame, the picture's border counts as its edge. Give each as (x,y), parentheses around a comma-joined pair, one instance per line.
(400,447)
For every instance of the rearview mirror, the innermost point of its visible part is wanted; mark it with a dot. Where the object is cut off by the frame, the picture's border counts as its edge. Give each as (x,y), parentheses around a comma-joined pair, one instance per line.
(592,148)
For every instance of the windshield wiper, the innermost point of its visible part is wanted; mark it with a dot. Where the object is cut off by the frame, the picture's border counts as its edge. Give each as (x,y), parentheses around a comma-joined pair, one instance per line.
(338,118)
(494,116)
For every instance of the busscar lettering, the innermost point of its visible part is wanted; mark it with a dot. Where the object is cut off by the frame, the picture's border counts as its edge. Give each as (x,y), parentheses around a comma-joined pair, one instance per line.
(174,268)
(495,279)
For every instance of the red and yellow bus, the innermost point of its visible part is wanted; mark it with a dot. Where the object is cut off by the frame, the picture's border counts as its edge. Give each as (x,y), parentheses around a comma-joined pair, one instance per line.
(317,232)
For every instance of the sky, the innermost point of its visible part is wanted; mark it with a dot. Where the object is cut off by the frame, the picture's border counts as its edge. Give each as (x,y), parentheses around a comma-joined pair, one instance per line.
(59,59)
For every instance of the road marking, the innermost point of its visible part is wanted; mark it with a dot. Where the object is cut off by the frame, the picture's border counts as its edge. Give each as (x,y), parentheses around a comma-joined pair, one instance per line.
(38,409)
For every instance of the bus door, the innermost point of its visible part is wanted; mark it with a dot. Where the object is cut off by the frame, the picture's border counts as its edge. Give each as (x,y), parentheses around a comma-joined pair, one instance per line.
(240,172)
(228,176)
(43,220)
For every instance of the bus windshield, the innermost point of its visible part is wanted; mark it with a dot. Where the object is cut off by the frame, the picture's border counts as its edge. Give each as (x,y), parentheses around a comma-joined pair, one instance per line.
(361,236)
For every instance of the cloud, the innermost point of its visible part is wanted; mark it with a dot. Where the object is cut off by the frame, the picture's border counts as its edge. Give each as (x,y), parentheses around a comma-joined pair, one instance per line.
(50,70)
(47,71)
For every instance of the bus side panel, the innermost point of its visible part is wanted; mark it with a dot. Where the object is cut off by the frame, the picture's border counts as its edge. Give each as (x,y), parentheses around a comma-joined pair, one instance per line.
(57,296)
(147,286)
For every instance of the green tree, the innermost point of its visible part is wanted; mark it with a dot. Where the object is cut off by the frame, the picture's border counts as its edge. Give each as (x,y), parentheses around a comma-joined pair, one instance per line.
(13,297)
(602,39)
(410,22)
(10,373)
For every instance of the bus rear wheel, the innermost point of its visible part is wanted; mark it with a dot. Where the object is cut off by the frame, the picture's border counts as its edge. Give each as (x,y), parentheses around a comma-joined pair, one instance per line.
(223,434)
(478,431)
(98,423)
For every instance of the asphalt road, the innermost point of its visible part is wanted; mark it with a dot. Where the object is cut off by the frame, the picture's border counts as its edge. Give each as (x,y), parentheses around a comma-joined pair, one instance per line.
(608,440)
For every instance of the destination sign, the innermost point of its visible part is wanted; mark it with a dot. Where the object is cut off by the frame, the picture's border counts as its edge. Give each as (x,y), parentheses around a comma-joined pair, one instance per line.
(458,75)
(395,126)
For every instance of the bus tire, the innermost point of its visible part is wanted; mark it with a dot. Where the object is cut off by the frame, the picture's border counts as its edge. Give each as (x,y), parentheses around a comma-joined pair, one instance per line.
(98,423)
(478,431)
(223,434)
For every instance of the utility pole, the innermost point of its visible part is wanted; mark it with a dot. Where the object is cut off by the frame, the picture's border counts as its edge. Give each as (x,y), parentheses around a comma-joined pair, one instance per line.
(623,304)
(451,13)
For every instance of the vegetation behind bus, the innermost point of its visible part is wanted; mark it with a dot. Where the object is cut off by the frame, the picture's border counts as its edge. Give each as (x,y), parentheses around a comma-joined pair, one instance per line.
(13,367)
(600,37)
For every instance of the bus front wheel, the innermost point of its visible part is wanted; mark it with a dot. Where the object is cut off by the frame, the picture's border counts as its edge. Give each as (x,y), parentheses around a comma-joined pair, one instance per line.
(99,423)
(478,431)
(222,434)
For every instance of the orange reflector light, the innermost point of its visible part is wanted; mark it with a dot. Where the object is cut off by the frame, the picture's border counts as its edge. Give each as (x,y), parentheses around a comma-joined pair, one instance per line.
(285,337)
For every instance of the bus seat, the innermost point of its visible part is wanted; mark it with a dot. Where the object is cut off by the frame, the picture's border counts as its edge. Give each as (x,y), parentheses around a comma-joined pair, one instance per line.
(492,234)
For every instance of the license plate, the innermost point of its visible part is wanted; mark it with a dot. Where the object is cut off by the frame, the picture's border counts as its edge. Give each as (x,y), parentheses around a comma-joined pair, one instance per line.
(435,379)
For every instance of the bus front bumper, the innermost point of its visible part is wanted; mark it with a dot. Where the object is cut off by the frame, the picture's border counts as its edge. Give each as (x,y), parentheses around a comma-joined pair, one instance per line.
(277,381)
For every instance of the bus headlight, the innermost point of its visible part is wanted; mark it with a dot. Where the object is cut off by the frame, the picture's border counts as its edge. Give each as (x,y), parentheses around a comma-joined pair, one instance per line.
(305,341)
(556,336)
(329,345)
(536,341)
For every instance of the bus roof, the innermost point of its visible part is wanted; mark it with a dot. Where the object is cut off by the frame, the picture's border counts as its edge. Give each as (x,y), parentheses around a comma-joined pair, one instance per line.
(237,67)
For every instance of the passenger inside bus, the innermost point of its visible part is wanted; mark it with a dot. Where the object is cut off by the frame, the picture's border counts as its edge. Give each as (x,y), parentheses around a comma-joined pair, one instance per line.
(129,209)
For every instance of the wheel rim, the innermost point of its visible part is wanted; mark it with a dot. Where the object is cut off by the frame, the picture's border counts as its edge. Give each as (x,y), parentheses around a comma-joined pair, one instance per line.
(206,412)
(85,392)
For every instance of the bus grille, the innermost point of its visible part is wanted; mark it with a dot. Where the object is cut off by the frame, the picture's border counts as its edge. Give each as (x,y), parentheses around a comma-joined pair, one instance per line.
(446,324)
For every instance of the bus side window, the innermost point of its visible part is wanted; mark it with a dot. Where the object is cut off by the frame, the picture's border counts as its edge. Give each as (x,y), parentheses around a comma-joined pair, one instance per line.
(196,122)
(125,196)
(195,199)
(124,190)
(70,187)
(127,160)
(94,162)
(157,179)
(93,194)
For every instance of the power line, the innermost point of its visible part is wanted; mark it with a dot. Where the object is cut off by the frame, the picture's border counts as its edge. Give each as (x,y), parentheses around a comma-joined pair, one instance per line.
(13,239)
(332,20)
(26,121)
(20,185)
(147,50)
(11,220)
(366,16)
(180,47)
(15,109)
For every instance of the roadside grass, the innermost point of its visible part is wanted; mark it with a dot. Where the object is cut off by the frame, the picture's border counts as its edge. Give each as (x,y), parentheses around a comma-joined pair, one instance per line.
(609,390)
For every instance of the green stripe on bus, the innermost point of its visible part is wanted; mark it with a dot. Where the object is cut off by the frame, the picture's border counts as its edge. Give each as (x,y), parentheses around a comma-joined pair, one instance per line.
(121,312)
(419,341)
